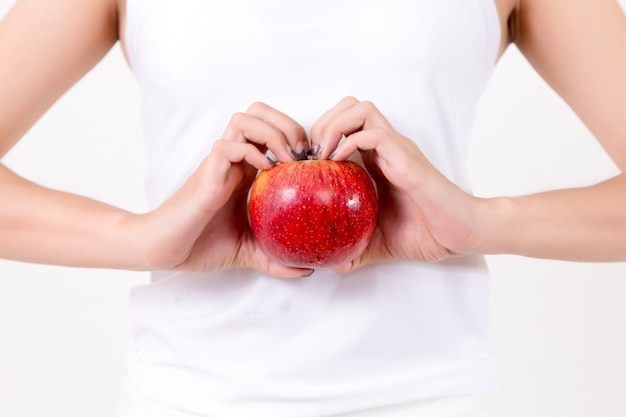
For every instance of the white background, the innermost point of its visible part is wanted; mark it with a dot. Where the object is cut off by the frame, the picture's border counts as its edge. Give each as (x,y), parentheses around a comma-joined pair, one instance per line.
(559,328)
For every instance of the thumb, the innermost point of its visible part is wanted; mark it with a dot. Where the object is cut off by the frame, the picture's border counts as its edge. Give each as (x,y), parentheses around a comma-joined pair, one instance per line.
(355,264)
(279,271)
(362,261)
(260,262)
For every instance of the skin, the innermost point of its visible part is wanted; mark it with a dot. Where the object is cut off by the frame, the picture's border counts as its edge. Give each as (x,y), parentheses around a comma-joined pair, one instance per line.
(424,217)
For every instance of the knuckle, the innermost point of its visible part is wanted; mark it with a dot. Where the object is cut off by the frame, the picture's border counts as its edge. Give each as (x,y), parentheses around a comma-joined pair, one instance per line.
(350,100)
(369,106)
(237,117)
(256,107)
(373,115)
(220,146)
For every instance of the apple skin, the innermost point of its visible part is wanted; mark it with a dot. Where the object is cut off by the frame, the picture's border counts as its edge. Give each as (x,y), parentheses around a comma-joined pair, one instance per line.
(313,213)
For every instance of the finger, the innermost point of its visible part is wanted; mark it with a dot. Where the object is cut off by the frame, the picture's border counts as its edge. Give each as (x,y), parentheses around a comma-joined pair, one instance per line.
(223,170)
(355,264)
(279,271)
(212,184)
(293,132)
(246,128)
(256,259)
(317,141)
(361,116)
(225,153)
(375,139)
(396,159)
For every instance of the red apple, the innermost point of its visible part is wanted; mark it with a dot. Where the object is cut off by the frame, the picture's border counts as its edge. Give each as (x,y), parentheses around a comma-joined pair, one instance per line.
(313,213)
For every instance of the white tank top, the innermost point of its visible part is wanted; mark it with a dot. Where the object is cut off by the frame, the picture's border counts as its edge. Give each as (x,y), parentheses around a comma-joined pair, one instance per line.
(238,343)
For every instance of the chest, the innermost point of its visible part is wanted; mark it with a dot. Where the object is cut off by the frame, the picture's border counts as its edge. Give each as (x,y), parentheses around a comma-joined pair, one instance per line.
(198,45)
(505,9)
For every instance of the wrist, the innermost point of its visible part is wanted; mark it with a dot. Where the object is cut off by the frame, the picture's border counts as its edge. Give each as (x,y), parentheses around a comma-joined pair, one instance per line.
(494,226)
(145,241)
(128,244)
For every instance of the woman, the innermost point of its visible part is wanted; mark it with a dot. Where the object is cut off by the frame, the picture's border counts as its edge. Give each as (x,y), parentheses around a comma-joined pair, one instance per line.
(404,327)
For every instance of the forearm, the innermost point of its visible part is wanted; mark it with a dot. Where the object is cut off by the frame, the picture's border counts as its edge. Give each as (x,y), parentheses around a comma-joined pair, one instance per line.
(46,226)
(582,224)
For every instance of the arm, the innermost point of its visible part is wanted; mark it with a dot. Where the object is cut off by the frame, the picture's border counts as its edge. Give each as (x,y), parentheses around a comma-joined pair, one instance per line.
(45,47)
(579,48)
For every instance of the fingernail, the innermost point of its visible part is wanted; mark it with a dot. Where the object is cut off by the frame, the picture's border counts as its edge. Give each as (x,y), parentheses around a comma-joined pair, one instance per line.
(308,274)
(317,151)
(334,152)
(271,161)
(306,150)
(300,152)
(294,156)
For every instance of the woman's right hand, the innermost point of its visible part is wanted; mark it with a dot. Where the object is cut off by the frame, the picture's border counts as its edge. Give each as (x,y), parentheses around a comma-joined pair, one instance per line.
(204,225)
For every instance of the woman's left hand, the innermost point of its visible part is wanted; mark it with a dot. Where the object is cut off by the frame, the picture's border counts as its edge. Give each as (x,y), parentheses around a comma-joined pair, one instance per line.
(422,215)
